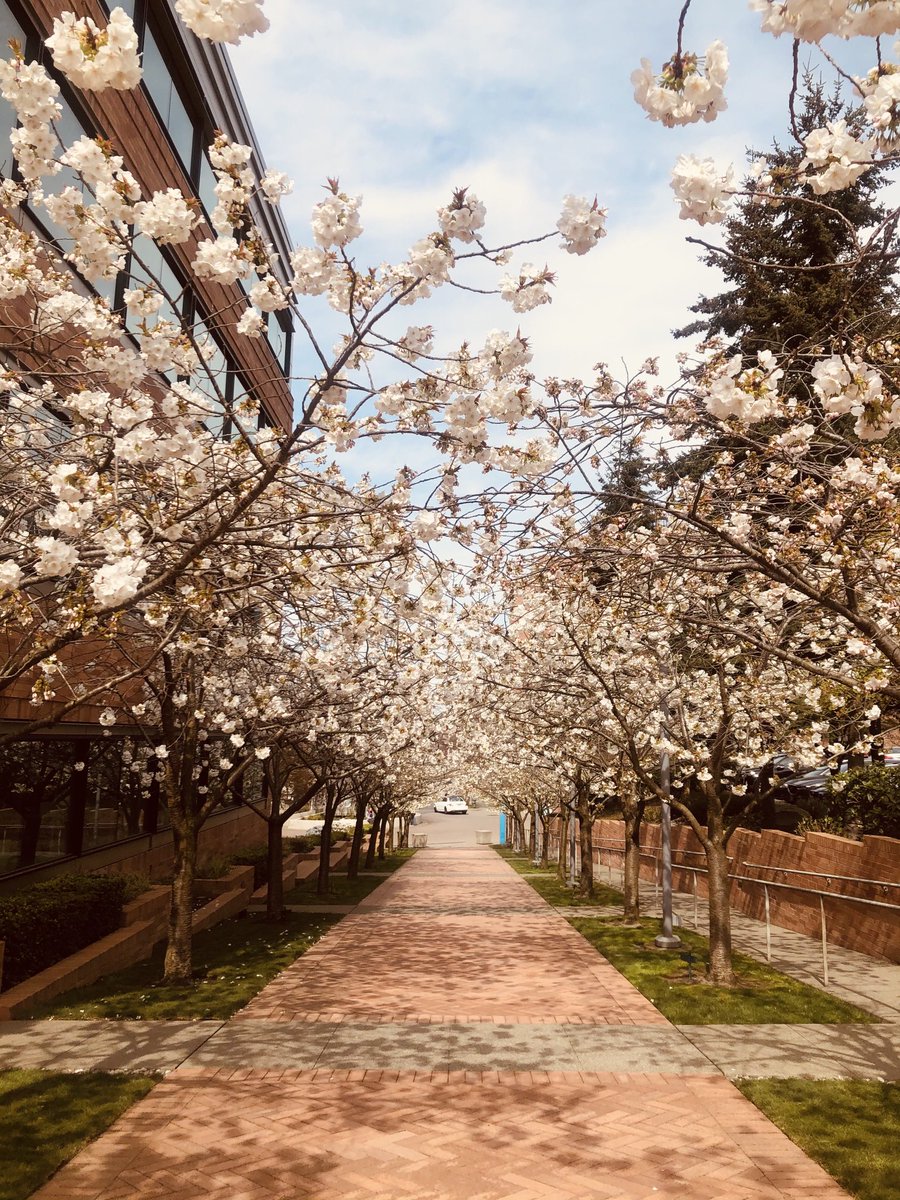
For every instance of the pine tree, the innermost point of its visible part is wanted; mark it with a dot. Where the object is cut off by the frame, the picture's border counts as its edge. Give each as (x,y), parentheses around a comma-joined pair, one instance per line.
(775,301)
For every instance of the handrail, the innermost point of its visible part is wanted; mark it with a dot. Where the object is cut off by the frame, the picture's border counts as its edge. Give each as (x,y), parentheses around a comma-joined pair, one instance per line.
(885,883)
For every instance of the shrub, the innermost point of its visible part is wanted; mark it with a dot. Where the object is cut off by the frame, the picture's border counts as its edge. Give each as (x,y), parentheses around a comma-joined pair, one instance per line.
(52,920)
(869,798)
(302,844)
(216,866)
(256,857)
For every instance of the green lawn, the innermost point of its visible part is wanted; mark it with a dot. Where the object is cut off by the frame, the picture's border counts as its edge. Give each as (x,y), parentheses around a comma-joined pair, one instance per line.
(46,1118)
(851,1127)
(347,891)
(549,886)
(232,962)
(763,995)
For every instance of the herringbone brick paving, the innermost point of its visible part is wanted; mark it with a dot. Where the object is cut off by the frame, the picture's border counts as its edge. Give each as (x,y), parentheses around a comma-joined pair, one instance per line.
(468,1134)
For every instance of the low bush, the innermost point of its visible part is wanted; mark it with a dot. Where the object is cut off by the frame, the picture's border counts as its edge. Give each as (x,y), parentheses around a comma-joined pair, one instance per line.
(52,920)
(302,844)
(868,799)
(216,866)
(256,857)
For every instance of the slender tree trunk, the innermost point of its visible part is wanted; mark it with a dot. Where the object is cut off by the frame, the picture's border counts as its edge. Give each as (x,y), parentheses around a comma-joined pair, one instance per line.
(631,871)
(563,848)
(325,848)
(586,845)
(545,841)
(379,818)
(721,971)
(275,858)
(382,834)
(532,837)
(179,961)
(356,844)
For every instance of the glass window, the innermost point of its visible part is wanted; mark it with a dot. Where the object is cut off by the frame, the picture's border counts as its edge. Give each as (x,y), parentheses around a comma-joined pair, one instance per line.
(212,379)
(169,105)
(117,797)
(206,188)
(9,28)
(70,130)
(148,265)
(35,778)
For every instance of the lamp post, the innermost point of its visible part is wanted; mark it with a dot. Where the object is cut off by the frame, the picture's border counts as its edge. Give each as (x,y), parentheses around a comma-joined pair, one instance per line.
(667,939)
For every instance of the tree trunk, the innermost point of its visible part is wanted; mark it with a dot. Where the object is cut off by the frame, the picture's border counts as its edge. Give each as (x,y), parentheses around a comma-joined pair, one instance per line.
(324,875)
(721,971)
(379,817)
(356,844)
(179,962)
(563,848)
(545,841)
(631,872)
(586,845)
(382,834)
(275,858)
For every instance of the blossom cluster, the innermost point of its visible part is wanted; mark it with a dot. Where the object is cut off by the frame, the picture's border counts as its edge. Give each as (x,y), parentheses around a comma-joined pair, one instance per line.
(812,20)
(684,92)
(702,191)
(223,20)
(94,58)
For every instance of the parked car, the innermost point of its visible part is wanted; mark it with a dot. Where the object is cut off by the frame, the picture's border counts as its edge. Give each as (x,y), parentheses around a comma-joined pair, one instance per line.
(892,756)
(451,804)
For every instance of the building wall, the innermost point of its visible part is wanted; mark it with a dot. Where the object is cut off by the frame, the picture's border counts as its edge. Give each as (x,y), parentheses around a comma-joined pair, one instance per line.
(223,834)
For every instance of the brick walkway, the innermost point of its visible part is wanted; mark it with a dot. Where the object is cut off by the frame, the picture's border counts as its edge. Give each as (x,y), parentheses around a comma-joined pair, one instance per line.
(455,939)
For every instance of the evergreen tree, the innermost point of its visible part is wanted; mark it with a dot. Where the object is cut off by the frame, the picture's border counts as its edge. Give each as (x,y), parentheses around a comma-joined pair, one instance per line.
(795,276)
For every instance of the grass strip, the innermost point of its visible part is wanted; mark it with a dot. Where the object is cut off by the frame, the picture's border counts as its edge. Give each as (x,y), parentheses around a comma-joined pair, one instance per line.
(342,890)
(762,995)
(46,1118)
(232,962)
(850,1127)
(553,890)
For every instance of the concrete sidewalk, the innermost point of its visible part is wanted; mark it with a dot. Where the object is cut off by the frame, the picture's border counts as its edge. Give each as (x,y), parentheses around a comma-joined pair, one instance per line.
(735,1051)
(444,989)
(869,983)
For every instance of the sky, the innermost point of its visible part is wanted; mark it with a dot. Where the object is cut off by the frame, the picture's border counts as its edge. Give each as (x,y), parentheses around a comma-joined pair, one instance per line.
(522,102)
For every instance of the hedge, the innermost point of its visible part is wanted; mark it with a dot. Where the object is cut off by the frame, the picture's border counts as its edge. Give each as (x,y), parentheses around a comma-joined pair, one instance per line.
(869,799)
(52,920)
(256,857)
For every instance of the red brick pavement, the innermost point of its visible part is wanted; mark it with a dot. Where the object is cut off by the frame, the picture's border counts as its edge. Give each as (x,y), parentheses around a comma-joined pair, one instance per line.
(468,1135)
(509,957)
(387,1135)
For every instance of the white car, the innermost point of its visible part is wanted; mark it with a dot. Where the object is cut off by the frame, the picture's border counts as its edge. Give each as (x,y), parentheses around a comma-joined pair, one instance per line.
(451,804)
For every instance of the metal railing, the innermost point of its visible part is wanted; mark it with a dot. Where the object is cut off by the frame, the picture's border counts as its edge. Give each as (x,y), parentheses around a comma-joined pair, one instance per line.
(765,884)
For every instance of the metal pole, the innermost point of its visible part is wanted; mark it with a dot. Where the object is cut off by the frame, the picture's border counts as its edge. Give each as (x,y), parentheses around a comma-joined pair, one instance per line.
(667,939)
(824,942)
(768,927)
(572,840)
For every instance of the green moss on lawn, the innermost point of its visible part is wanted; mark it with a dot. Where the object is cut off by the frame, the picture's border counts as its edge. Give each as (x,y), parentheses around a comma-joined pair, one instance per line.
(46,1118)
(762,996)
(851,1127)
(232,962)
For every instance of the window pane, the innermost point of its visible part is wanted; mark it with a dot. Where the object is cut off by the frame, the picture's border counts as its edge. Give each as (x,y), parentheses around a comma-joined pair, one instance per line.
(207,185)
(171,108)
(9,28)
(34,800)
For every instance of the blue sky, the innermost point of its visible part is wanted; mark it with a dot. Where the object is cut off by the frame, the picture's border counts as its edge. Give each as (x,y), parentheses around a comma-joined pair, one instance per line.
(522,102)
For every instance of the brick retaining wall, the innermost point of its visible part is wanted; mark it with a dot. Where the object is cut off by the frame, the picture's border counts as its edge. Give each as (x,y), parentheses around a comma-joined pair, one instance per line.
(870,930)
